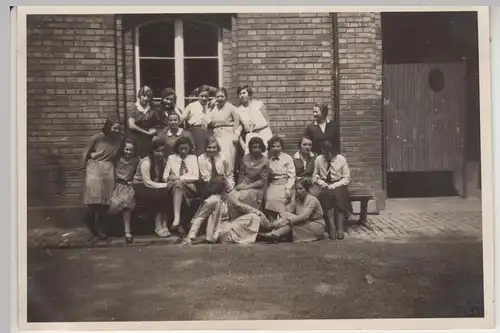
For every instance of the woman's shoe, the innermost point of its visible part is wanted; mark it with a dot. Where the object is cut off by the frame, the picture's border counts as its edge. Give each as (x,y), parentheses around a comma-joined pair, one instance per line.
(129,239)
(269,237)
(340,236)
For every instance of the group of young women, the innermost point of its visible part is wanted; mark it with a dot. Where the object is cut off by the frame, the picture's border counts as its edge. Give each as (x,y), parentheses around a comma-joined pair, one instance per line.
(169,158)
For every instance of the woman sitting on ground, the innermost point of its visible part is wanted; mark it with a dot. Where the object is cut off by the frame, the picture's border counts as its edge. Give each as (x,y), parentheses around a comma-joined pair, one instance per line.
(213,163)
(151,190)
(253,176)
(304,159)
(181,174)
(228,220)
(279,193)
(305,224)
(331,177)
(123,199)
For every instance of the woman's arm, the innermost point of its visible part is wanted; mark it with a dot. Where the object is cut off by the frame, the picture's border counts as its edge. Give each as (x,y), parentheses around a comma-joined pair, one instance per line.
(146,176)
(236,124)
(266,116)
(87,150)
(134,127)
(290,173)
(346,174)
(207,208)
(315,177)
(311,206)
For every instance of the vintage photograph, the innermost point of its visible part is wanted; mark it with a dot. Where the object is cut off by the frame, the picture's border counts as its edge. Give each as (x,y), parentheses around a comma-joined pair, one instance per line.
(202,166)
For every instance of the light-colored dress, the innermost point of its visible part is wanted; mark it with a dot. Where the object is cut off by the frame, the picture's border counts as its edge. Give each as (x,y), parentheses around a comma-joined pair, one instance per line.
(307,221)
(197,119)
(124,194)
(254,123)
(227,222)
(101,154)
(222,121)
(281,180)
(251,172)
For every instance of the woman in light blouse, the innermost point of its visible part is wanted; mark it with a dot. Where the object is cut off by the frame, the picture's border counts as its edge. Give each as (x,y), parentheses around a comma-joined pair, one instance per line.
(181,174)
(225,121)
(253,117)
(279,191)
(151,190)
(331,177)
(214,163)
(197,118)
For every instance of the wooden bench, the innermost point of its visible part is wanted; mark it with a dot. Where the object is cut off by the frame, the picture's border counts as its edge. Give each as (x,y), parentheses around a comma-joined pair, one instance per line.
(362,196)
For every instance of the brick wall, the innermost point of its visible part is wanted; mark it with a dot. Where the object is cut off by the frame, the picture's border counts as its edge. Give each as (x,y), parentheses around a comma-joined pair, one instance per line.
(287,59)
(360,70)
(71,85)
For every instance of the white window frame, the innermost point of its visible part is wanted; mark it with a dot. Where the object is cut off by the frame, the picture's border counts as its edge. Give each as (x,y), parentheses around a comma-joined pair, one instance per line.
(178,60)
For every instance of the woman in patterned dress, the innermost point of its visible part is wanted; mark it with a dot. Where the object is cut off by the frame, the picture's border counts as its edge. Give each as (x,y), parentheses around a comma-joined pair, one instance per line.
(123,199)
(279,194)
(98,161)
(253,176)
(197,118)
(253,118)
(225,122)
(181,174)
(142,121)
(305,223)
(227,219)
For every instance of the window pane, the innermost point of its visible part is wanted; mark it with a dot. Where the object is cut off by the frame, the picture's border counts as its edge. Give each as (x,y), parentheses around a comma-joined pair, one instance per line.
(157,39)
(200,40)
(158,74)
(198,72)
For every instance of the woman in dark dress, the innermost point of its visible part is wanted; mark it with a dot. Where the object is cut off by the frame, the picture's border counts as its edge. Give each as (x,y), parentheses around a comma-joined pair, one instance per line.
(322,129)
(167,106)
(142,121)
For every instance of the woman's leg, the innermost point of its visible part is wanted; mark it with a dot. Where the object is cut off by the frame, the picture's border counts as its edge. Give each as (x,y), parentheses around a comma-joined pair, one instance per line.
(177,202)
(90,220)
(101,221)
(126,214)
(283,231)
(271,215)
(158,224)
(339,223)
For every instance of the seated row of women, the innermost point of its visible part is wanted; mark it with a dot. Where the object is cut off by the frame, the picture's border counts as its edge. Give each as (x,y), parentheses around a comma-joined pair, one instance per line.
(279,195)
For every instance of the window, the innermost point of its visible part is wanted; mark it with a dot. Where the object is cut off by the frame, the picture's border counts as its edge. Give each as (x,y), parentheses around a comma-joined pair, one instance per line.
(182,54)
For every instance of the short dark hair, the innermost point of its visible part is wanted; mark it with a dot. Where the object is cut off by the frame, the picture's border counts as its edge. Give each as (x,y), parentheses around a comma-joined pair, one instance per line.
(327,146)
(257,140)
(145,91)
(273,140)
(323,108)
(307,137)
(222,90)
(247,87)
(181,141)
(167,92)
(306,183)
(216,185)
(204,88)
(111,119)
(213,139)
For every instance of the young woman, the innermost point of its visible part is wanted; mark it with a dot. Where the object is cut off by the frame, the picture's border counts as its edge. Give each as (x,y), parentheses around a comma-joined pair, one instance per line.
(167,107)
(279,193)
(305,223)
(150,189)
(322,129)
(142,121)
(253,176)
(181,174)
(253,117)
(98,161)
(123,199)
(172,133)
(225,122)
(228,220)
(197,119)
(304,159)
(331,176)
(214,163)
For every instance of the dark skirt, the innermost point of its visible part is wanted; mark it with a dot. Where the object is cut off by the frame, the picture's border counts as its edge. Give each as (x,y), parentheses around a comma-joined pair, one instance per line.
(200,136)
(99,183)
(188,190)
(152,200)
(337,198)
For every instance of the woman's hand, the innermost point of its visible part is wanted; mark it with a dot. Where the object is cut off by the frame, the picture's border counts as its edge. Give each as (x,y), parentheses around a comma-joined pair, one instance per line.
(240,187)
(187,241)
(82,166)
(283,222)
(151,131)
(332,186)
(288,195)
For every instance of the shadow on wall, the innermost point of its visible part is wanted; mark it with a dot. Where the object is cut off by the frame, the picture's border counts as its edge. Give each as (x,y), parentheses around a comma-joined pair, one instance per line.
(45,177)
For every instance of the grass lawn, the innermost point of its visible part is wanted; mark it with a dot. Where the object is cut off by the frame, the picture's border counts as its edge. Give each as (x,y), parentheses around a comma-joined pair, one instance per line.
(322,280)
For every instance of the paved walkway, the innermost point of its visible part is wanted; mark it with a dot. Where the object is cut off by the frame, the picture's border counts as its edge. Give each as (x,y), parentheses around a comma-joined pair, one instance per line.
(403,220)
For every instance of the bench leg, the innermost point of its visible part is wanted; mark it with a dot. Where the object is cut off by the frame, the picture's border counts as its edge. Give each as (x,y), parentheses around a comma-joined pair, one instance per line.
(363,212)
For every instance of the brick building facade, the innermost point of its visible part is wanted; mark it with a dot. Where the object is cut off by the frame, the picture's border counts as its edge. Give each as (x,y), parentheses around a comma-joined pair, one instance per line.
(82,67)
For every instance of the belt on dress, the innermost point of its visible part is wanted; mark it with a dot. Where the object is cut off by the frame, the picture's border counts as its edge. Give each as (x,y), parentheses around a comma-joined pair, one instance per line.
(223,126)
(121,181)
(258,129)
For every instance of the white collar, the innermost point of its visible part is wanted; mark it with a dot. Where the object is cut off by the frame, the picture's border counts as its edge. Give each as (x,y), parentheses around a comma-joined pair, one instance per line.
(298,156)
(326,123)
(142,109)
(179,132)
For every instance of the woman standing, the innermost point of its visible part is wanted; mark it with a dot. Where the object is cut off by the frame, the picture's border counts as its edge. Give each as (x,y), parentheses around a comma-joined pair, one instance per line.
(225,122)
(304,158)
(305,224)
(322,129)
(150,189)
(228,220)
(123,199)
(253,117)
(142,121)
(167,107)
(197,119)
(98,161)
(181,174)
(281,179)
(253,176)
